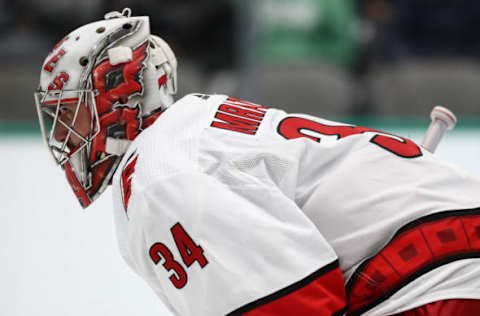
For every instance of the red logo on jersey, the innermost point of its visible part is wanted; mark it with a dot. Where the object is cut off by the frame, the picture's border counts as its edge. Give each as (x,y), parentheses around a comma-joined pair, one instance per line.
(127,174)
(117,83)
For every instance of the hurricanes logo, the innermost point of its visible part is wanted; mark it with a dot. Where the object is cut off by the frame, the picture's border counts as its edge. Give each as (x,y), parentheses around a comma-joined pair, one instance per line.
(127,174)
(117,83)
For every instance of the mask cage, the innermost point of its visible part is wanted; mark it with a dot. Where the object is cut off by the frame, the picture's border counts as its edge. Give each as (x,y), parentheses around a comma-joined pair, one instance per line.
(53,113)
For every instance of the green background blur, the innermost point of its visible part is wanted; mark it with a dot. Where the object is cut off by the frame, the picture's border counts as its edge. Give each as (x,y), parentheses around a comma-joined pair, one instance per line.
(369,62)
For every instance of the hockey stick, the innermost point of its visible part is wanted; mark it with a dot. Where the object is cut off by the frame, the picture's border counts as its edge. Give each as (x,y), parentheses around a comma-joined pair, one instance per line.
(442,120)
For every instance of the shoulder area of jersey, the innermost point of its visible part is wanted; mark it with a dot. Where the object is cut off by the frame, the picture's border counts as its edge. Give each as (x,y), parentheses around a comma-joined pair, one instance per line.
(186,109)
(201,99)
(165,130)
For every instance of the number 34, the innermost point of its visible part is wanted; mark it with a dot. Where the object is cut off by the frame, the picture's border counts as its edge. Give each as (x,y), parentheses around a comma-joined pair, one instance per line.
(293,127)
(189,251)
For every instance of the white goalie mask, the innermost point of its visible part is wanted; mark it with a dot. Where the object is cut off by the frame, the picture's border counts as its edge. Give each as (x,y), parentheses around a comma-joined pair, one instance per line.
(99,88)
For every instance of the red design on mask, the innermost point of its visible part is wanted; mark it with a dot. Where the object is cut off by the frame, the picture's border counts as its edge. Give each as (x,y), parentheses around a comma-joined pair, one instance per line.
(63,40)
(53,61)
(77,188)
(162,81)
(150,119)
(59,81)
(115,85)
(122,90)
(122,117)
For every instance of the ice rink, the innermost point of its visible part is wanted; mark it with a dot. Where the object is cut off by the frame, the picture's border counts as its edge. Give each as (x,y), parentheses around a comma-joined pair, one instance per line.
(57,259)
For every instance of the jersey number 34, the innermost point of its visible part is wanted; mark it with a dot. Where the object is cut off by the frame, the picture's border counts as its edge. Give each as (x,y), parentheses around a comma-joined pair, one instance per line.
(295,127)
(189,251)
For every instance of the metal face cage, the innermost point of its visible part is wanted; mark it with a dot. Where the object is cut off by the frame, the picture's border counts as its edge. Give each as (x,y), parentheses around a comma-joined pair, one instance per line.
(59,109)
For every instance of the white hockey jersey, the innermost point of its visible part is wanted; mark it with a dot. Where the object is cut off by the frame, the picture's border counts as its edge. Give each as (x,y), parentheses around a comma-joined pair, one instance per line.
(227,208)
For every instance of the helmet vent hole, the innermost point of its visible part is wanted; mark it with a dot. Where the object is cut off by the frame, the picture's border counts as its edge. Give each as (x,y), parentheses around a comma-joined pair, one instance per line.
(152,45)
(77,38)
(100,30)
(83,61)
(127,26)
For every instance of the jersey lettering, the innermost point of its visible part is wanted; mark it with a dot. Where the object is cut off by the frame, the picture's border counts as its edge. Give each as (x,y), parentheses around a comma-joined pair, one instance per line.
(294,127)
(239,116)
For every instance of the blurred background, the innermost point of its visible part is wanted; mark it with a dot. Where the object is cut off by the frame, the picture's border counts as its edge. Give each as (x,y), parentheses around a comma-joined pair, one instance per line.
(380,63)
(352,59)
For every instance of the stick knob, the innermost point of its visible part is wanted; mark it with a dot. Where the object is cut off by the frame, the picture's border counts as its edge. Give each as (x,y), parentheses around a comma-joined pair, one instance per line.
(442,120)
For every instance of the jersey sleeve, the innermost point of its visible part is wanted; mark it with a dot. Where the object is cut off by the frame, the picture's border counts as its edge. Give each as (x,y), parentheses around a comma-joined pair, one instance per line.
(212,249)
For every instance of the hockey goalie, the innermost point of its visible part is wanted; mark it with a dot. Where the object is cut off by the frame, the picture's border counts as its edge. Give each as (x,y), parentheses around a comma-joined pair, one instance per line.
(227,207)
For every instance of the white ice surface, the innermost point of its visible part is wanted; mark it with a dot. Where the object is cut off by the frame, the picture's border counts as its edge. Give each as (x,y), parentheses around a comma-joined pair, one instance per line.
(57,259)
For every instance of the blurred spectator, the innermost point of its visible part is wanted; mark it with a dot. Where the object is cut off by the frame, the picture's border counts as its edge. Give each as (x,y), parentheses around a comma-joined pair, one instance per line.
(399,29)
(32,27)
(373,41)
(306,47)
(197,30)
(308,30)
(21,37)
(436,28)
(417,53)
(201,33)
(374,32)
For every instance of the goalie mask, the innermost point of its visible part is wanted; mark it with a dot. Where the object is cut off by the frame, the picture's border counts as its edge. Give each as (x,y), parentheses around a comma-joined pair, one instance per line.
(99,88)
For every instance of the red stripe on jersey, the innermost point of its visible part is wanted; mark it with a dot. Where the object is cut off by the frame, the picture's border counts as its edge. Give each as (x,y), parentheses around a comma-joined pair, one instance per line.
(417,248)
(464,307)
(320,294)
